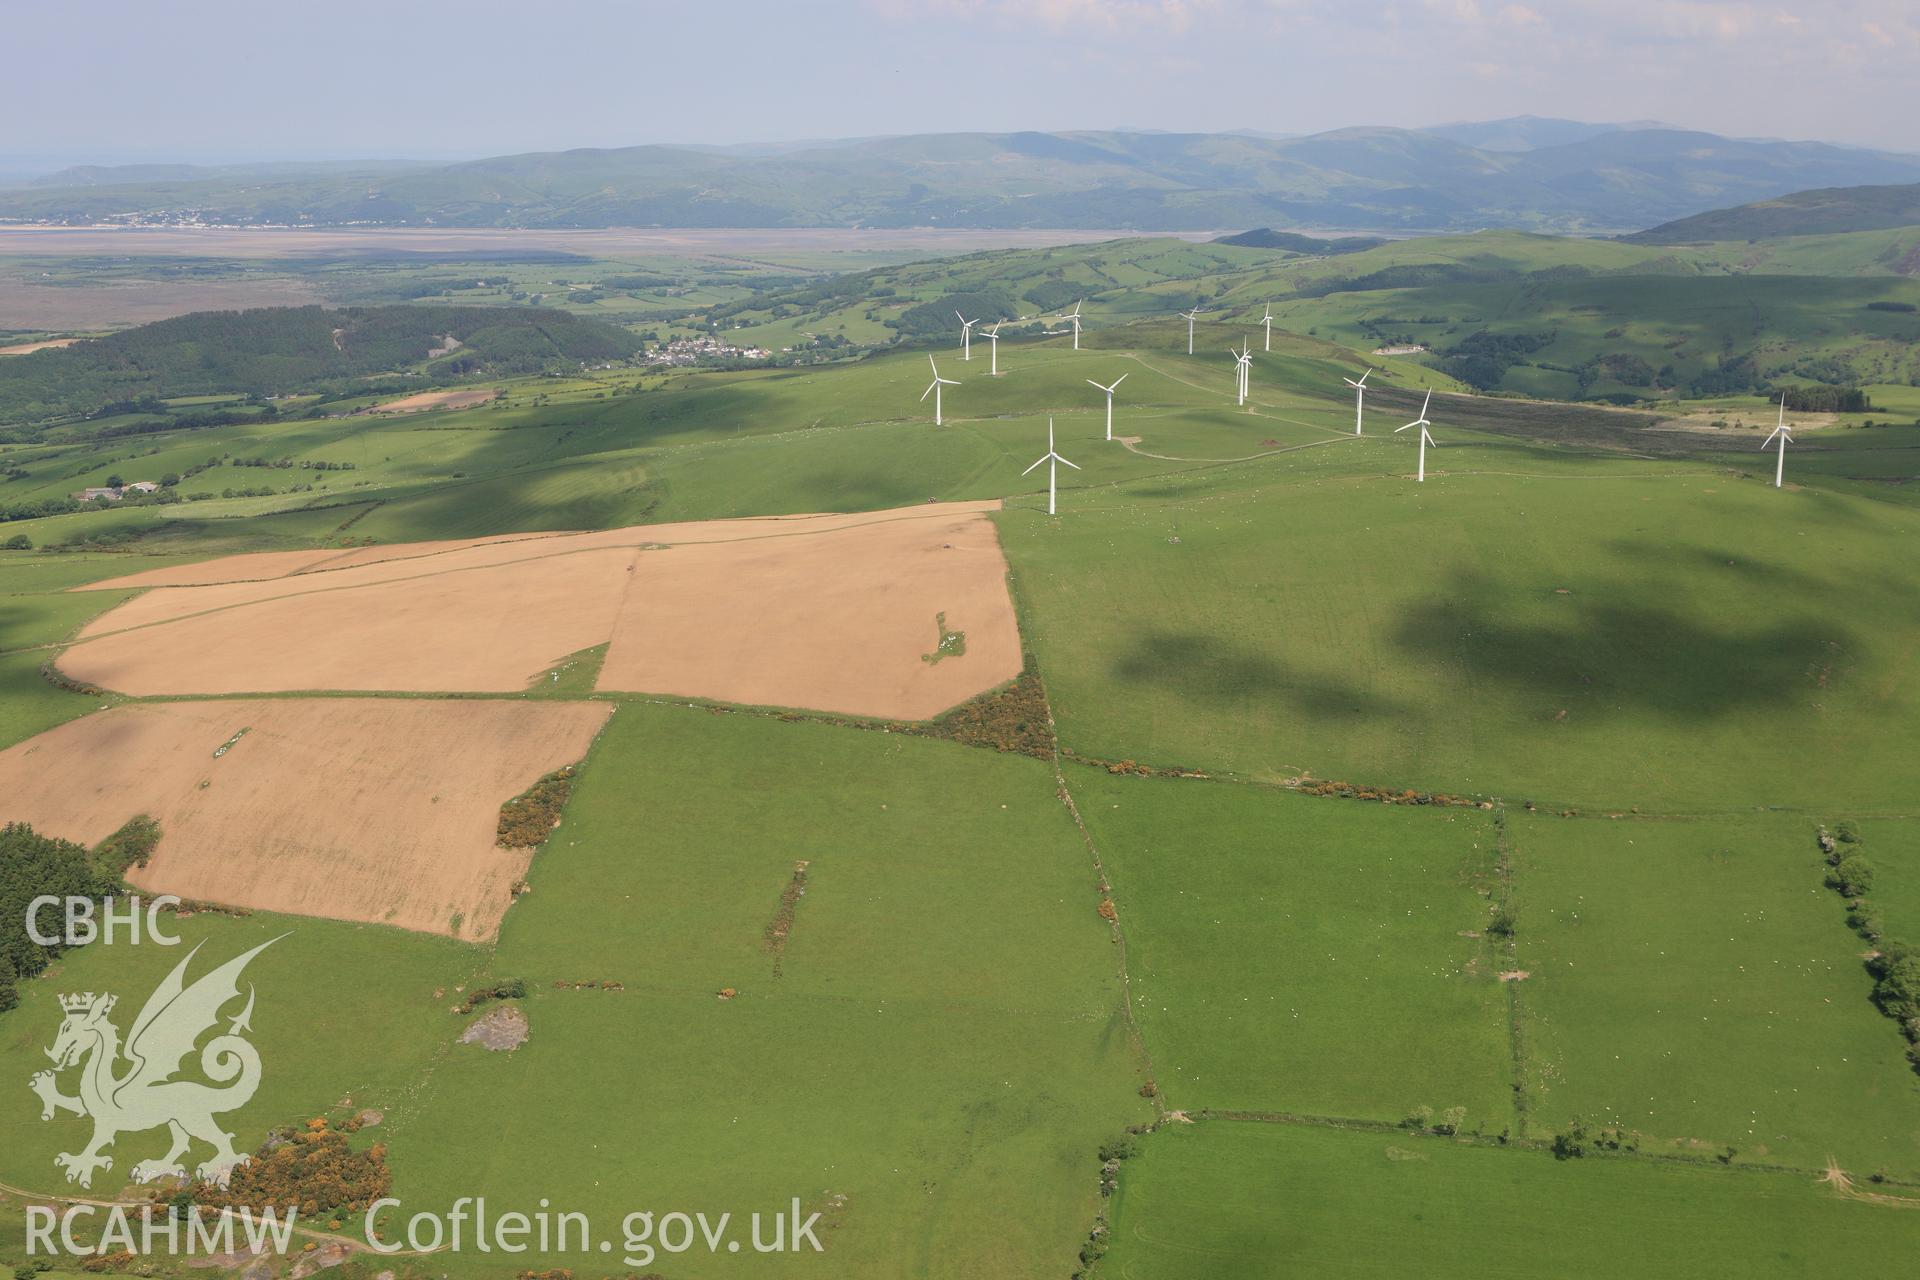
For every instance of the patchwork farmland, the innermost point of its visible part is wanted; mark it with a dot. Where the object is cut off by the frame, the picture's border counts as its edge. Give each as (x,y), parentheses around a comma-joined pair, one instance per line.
(1267,859)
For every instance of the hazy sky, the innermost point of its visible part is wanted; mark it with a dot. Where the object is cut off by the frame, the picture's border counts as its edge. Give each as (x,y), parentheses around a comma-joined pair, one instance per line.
(421,78)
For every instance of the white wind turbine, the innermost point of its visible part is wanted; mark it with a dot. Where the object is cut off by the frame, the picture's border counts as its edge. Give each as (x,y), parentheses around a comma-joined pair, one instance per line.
(993,351)
(1073,318)
(1053,470)
(1267,322)
(1785,433)
(1359,398)
(1191,317)
(933,389)
(1243,364)
(1425,439)
(1110,390)
(966,336)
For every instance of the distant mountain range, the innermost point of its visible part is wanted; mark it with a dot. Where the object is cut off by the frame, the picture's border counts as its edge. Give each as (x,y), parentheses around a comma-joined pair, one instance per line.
(1549,175)
(1828,211)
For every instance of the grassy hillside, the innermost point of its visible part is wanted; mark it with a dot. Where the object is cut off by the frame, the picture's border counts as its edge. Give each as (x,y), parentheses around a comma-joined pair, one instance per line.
(277,351)
(1822,212)
(1504,311)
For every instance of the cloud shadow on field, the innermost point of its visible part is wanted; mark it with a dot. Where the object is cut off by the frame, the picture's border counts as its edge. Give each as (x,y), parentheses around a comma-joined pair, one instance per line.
(1206,669)
(1604,654)
(1745,566)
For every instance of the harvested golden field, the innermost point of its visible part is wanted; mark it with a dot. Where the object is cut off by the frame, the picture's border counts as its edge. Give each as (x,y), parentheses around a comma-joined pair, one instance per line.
(422,401)
(828,612)
(28,348)
(485,628)
(254,566)
(847,620)
(259,566)
(377,810)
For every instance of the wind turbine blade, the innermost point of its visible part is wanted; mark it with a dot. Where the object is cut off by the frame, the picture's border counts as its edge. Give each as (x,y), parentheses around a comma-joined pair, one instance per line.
(1117,381)
(1398,430)
(1364,377)
(1092,383)
(1063,462)
(928,391)
(1036,464)
(1425,403)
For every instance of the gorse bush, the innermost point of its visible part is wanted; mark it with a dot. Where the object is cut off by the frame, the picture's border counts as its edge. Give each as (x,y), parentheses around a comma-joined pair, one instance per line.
(529,818)
(312,1169)
(131,846)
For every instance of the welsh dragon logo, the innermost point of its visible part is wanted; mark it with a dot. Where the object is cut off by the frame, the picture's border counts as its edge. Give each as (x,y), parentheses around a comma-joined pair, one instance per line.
(130,1088)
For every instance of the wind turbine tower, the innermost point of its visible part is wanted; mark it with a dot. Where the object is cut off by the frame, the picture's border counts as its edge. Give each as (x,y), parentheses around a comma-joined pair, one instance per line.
(1191,317)
(1785,435)
(1073,318)
(933,389)
(1053,461)
(1425,439)
(992,336)
(1110,390)
(1359,398)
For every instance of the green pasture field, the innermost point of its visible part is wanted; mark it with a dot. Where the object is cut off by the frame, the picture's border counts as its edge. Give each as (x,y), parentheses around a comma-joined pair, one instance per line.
(1696,982)
(1243,1201)
(1529,623)
(1307,956)
(36,611)
(940,1040)
(343,1012)
(1892,846)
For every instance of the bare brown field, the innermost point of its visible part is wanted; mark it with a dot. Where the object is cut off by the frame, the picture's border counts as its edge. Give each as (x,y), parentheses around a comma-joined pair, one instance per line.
(830,612)
(841,621)
(375,810)
(28,348)
(422,401)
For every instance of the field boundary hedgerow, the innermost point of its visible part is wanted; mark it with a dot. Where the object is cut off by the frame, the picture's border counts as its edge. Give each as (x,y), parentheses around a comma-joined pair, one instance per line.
(1504,928)
(1893,963)
(1540,1145)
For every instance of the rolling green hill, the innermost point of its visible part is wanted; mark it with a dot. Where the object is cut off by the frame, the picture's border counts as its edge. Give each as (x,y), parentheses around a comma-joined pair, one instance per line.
(281,350)
(1507,311)
(1804,213)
